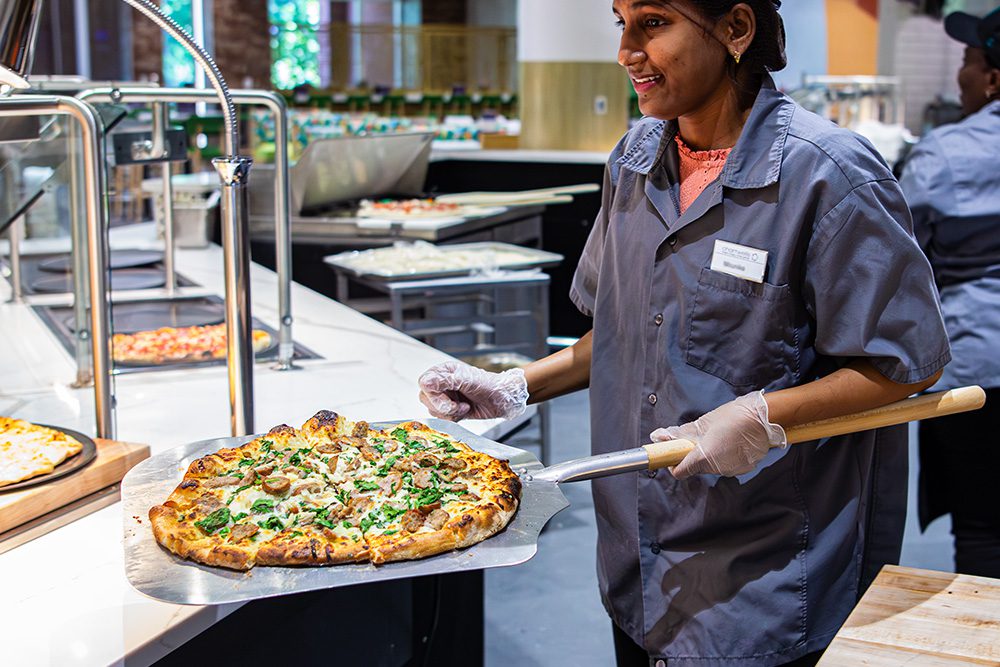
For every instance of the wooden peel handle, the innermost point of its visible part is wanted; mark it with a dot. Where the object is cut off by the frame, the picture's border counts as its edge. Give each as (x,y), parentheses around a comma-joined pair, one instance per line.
(928,406)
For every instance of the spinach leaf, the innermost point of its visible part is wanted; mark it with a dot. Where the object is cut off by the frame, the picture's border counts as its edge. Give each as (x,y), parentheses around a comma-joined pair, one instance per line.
(271,523)
(246,462)
(362,485)
(262,506)
(214,521)
(387,466)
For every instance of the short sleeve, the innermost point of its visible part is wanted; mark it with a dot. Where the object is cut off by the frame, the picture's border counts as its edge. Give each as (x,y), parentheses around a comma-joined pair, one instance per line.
(583,291)
(871,289)
(926,185)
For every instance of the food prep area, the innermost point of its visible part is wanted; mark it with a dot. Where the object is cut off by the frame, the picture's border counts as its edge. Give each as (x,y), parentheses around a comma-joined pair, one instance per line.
(499,333)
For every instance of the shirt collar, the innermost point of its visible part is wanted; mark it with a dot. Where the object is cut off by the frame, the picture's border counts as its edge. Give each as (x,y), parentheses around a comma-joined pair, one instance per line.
(755,160)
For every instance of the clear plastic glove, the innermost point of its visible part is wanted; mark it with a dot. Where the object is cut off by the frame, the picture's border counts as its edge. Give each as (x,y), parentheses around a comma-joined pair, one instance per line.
(454,390)
(730,440)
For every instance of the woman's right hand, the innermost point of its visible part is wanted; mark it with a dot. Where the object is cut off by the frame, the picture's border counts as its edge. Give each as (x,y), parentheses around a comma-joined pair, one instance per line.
(455,390)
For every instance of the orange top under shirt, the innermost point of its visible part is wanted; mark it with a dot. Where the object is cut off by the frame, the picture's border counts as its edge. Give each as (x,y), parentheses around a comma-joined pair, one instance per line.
(698,169)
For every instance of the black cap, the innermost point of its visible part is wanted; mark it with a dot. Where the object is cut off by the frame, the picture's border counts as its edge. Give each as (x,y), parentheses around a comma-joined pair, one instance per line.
(980,33)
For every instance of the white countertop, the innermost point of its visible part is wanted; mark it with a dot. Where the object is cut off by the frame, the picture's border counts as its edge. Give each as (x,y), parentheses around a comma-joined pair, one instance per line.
(65,597)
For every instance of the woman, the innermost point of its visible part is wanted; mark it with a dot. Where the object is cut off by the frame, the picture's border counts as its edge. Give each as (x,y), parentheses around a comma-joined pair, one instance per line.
(752,268)
(952,183)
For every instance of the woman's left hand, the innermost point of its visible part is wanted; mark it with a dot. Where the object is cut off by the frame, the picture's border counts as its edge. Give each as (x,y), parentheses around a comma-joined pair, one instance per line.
(729,440)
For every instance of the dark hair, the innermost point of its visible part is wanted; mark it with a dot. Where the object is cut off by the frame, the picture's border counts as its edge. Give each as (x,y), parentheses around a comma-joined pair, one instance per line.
(767,51)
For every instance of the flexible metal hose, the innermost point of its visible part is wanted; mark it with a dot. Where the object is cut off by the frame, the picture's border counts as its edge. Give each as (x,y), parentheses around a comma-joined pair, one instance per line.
(151,11)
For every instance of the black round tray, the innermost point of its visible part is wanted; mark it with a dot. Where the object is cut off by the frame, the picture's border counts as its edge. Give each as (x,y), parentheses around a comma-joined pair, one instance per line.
(118,259)
(67,467)
(121,279)
(134,317)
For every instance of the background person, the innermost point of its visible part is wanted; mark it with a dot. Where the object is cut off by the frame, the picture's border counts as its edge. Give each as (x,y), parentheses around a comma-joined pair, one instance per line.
(952,183)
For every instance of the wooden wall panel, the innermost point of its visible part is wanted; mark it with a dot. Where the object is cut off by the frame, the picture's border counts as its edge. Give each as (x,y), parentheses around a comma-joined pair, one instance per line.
(557,105)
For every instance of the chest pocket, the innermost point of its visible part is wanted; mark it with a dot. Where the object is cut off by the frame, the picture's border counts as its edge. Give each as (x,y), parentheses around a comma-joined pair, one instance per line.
(742,332)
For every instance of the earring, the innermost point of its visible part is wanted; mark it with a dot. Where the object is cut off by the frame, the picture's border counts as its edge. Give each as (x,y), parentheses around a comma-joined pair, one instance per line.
(736,57)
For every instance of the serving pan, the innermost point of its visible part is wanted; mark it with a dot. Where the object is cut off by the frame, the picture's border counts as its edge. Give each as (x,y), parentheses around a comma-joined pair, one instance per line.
(529,258)
(158,573)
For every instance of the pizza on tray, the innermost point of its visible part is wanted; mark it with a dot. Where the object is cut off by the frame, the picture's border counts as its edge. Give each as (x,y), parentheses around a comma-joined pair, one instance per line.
(408,209)
(28,450)
(336,492)
(177,345)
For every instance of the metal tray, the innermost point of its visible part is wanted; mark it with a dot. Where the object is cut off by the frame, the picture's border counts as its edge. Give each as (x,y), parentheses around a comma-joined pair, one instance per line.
(154,571)
(67,467)
(533,259)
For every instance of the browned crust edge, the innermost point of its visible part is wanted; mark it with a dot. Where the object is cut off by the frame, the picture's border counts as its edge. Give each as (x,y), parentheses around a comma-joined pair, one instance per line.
(170,534)
(410,546)
(312,551)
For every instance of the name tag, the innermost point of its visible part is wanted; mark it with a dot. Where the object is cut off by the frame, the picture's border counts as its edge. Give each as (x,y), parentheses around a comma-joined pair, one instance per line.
(740,261)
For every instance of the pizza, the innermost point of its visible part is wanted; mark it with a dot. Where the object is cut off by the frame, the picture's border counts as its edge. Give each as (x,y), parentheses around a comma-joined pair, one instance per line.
(28,450)
(336,492)
(176,345)
(408,209)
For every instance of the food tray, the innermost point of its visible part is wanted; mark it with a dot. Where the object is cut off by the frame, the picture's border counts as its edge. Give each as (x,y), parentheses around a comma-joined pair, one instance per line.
(529,258)
(156,572)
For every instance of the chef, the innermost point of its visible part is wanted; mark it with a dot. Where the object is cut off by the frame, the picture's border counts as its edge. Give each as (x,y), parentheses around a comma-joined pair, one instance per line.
(752,268)
(952,183)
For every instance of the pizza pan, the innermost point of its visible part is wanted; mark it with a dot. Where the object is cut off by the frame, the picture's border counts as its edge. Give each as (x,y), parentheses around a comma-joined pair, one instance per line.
(158,573)
(145,316)
(119,259)
(154,571)
(121,279)
(67,467)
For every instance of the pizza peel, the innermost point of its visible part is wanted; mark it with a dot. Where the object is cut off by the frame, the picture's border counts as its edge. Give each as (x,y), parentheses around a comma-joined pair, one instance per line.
(155,572)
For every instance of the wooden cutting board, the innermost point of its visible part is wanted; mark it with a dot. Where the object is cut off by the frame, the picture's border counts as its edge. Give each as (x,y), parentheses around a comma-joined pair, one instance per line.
(920,617)
(113,460)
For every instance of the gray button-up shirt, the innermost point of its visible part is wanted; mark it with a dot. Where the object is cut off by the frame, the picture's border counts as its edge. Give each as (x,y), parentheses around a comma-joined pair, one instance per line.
(952,183)
(760,569)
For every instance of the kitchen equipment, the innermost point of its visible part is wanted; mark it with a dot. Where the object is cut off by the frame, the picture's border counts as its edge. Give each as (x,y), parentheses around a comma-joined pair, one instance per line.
(157,573)
(151,315)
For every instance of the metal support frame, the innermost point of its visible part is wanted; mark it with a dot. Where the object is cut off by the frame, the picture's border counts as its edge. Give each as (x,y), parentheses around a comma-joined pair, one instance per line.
(282,194)
(94,231)
(15,233)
